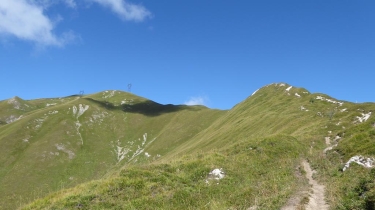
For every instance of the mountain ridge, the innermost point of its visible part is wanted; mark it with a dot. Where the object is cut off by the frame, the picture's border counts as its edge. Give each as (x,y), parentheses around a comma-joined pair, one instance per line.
(57,143)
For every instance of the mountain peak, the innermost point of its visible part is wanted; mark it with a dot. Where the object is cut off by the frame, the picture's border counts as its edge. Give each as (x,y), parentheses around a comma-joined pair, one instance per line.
(281,88)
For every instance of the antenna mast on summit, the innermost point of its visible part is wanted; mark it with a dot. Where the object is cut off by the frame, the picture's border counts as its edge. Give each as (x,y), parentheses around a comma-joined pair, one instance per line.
(129,87)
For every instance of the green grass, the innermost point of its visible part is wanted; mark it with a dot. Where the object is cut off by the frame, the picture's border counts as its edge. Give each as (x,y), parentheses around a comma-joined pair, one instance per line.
(253,177)
(30,154)
(259,143)
(353,188)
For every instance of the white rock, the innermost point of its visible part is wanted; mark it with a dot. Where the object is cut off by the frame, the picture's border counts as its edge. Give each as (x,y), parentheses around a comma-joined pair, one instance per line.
(364,117)
(12,118)
(61,147)
(217,174)
(360,160)
(329,100)
(111,94)
(16,104)
(53,112)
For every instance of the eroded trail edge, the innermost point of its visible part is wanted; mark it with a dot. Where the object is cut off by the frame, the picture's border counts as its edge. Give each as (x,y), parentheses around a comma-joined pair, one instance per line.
(316,198)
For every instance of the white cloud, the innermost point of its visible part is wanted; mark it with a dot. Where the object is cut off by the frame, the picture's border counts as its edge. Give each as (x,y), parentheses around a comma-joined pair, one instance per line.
(125,10)
(70,3)
(200,100)
(26,20)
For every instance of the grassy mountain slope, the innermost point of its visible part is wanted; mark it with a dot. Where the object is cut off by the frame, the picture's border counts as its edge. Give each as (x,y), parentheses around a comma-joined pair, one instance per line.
(253,177)
(271,110)
(353,188)
(62,145)
(258,153)
(167,152)
(15,108)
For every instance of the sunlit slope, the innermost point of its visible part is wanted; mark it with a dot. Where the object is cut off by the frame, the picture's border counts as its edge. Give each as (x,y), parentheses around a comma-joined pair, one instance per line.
(259,154)
(12,109)
(160,156)
(61,145)
(333,132)
(16,108)
(273,109)
(257,174)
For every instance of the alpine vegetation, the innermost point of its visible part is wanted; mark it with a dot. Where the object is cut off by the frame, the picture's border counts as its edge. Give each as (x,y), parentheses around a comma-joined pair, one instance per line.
(281,148)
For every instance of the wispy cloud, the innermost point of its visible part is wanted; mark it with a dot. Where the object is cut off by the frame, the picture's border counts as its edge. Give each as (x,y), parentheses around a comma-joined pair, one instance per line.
(70,3)
(27,21)
(126,10)
(200,100)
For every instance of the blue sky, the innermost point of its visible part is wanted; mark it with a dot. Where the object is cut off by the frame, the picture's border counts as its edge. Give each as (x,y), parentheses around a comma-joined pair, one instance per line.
(198,51)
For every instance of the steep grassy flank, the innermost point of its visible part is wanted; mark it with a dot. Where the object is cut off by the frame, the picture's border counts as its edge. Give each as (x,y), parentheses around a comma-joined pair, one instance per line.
(62,145)
(271,110)
(258,173)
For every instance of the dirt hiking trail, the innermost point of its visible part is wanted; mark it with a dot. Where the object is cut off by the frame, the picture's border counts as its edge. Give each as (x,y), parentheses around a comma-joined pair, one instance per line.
(316,198)
(314,192)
